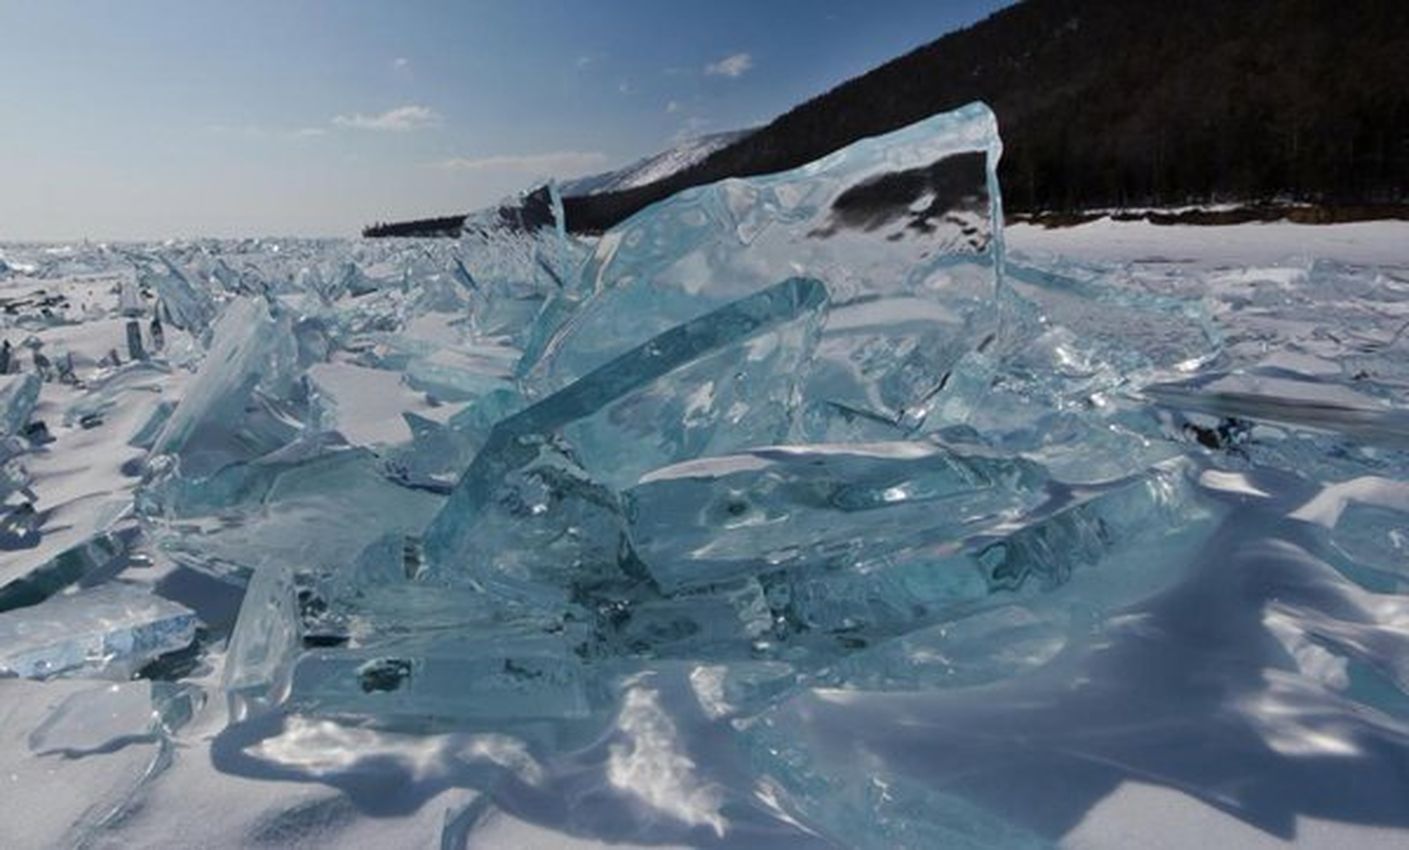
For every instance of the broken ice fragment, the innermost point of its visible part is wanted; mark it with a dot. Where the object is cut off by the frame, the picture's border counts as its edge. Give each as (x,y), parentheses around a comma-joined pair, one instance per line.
(815,506)
(1087,525)
(741,394)
(314,512)
(18,395)
(200,429)
(264,644)
(129,299)
(186,305)
(914,585)
(905,229)
(970,650)
(721,621)
(29,583)
(549,524)
(134,341)
(466,678)
(109,631)
(453,541)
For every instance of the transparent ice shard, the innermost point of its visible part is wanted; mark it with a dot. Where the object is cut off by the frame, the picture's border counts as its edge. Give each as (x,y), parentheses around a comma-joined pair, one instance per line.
(315,512)
(18,395)
(199,429)
(439,454)
(724,620)
(129,299)
(264,644)
(548,525)
(815,507)
(905,229)
(740,687)
(186,305)
(134,341)
(514,259)
(62,559)
(502,678)
(450,375)
(108,631)
(973,649)
(743,393)
(913,586)
(515,442)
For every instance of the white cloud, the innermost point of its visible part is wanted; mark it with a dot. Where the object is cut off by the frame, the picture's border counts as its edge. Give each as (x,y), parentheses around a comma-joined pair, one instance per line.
(398,120)
(309,132)
(401,63)
(557,163)
(624,87)
(673,106)
(730,66)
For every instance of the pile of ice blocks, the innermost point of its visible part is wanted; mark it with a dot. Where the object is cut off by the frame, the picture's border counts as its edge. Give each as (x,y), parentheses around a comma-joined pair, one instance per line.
(797,431)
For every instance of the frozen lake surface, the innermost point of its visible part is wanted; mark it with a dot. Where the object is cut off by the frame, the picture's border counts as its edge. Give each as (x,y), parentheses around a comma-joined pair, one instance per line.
(828,531)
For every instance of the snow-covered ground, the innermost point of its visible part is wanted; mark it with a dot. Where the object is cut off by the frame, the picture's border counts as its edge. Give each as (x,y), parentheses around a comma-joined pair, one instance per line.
(1251,691)
(1368,243)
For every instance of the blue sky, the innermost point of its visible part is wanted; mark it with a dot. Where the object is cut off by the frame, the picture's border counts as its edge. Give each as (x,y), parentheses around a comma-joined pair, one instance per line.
(153,119)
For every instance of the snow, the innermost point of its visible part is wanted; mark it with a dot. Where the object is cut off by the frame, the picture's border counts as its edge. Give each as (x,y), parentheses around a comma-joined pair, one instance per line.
(1367,243)
(1251,694)
(655,167)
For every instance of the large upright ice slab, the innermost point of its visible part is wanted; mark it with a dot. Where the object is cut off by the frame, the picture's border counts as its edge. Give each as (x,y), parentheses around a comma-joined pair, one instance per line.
(185,305)
(199,430)
(264,644)
(600,410)
(904,228)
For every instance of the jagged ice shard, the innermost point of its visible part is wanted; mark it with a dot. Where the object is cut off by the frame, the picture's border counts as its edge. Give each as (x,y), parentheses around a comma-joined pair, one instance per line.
(905,229)
(108,631)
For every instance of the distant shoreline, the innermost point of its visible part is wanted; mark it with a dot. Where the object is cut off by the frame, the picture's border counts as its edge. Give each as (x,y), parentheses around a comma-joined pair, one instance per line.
(1294,212)
(1223,214)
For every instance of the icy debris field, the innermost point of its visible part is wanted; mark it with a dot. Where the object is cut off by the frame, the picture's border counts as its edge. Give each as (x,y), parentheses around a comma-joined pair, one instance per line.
(795,511)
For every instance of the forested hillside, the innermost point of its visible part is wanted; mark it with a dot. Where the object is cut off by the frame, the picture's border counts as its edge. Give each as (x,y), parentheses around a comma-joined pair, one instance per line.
(1108,103)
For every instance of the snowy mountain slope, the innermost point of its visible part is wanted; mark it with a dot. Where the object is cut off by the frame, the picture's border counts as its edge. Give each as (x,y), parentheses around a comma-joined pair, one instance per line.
(652,168)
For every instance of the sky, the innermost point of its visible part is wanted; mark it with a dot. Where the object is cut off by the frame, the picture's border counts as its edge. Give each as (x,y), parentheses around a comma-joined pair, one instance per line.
(154,119)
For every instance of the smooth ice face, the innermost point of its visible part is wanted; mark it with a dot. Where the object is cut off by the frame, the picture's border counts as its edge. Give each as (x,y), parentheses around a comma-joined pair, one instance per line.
(904,229)
(184,304)
(504,678)
(813,507)
(108,631)
(264,644)
(313,513)
(596,411)
(201,428)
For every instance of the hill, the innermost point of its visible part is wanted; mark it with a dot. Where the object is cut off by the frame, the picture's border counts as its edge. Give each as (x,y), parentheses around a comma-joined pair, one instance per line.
(1112,103)
(1125,103)
(652,168)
